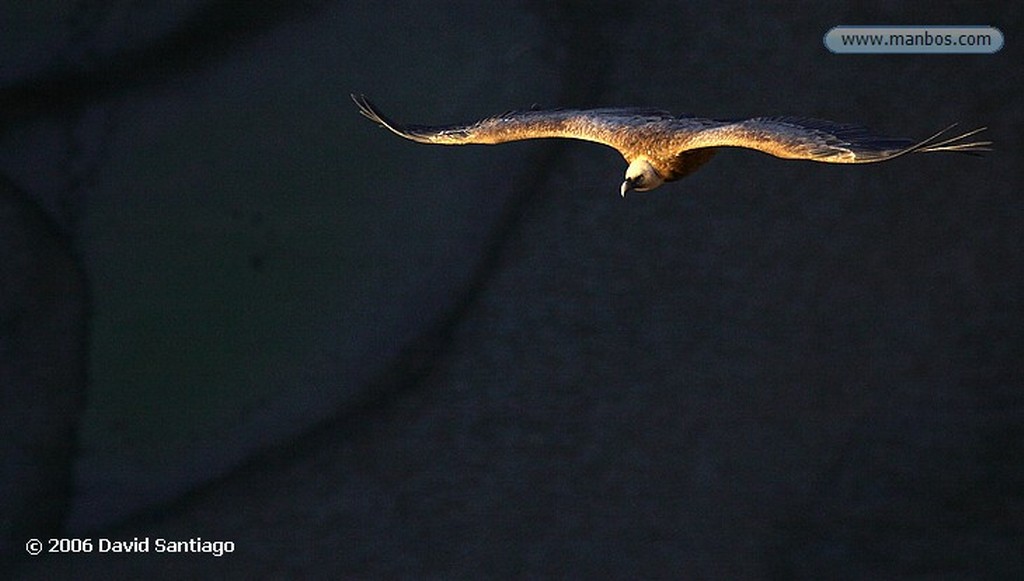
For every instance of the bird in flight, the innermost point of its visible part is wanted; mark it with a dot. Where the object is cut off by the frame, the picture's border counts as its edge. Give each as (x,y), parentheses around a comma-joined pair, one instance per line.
(660,147)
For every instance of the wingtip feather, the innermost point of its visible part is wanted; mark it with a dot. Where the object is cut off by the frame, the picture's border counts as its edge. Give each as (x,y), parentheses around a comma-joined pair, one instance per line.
(956,143)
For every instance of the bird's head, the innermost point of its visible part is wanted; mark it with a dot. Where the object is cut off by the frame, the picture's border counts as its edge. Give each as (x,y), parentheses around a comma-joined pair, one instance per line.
(640,177)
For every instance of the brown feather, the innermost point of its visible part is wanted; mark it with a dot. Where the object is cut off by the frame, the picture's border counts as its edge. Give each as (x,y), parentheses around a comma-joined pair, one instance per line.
(678,146)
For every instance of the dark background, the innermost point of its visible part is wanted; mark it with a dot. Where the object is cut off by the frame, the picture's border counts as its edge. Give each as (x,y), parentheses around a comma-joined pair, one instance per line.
(232,309)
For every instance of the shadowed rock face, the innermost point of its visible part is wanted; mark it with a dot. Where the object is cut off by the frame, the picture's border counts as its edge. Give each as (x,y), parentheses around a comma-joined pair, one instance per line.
(766,370)
(43,308)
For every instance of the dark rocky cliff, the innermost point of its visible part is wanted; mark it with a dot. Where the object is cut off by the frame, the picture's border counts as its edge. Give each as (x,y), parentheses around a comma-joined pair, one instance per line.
(356,356)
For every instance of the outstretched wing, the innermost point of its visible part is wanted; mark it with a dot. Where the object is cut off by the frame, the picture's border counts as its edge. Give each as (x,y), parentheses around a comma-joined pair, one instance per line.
(611,126)
(820,140)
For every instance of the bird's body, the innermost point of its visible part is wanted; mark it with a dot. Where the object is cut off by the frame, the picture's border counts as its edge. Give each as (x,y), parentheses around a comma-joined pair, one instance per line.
(661,147)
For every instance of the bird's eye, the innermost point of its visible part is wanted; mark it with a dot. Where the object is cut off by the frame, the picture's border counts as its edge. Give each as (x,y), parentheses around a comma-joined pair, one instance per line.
(638,180)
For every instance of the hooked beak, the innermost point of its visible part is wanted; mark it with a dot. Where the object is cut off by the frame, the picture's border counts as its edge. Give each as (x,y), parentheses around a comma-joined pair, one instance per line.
(625,187)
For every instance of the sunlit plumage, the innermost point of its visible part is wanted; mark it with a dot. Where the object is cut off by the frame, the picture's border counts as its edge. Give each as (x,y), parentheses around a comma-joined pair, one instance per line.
(661,147)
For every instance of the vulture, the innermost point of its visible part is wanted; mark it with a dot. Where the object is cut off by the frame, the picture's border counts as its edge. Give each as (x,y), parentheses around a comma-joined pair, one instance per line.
(660,147)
